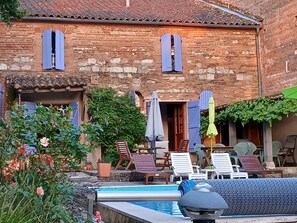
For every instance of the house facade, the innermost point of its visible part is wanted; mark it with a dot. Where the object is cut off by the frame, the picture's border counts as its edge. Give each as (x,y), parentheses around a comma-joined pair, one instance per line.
(186,51)
(278,41)
(278,52)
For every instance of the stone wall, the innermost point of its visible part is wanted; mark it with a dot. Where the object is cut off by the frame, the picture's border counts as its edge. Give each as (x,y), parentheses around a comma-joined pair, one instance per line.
(278,40)
(129,57)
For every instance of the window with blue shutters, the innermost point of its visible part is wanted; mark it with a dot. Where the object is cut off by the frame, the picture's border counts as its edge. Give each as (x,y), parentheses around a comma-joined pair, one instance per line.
(53,50)
(171,49)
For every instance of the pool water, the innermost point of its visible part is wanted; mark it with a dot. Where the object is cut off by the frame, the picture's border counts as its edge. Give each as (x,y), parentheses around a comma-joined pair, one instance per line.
(167,207)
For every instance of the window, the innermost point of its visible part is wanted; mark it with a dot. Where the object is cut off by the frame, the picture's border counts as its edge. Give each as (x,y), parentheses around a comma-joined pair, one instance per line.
(52,50)
(171,53)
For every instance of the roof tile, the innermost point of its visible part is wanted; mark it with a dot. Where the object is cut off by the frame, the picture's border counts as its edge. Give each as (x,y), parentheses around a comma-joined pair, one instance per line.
(139,11)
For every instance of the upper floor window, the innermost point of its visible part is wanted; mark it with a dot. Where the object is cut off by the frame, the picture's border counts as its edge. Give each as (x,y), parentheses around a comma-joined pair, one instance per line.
(53,50)
(171,53)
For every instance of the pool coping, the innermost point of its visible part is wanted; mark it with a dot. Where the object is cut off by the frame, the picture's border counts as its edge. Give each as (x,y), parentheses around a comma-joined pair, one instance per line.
(145,215)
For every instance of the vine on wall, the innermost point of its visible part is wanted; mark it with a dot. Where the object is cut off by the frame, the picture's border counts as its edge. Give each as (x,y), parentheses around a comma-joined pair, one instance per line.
(260,110)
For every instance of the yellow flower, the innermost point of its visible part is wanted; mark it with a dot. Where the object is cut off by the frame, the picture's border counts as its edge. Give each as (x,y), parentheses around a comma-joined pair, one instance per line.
(44,141)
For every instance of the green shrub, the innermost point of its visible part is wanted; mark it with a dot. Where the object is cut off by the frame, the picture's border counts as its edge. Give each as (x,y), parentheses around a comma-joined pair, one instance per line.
(119,118)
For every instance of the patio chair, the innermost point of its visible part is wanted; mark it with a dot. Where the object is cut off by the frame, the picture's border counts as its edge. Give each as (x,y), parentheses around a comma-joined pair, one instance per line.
(182,167)
(145,164)
(201,155)
(251,164)
(276,147)
(223,166)
(242,148)
(124,153)
(288,150)
(219,145)
(183,147)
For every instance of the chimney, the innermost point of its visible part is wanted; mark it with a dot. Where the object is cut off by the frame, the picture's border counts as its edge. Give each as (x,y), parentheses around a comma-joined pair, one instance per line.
(127,3)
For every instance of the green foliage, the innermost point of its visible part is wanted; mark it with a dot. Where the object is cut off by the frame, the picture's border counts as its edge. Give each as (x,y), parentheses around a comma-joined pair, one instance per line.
(10,9)
(21,128)
(260,110)
(16,209)
(58,148)
(120,120)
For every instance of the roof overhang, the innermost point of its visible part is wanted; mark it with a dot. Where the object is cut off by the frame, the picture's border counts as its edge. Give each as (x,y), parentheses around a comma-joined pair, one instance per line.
(43,83)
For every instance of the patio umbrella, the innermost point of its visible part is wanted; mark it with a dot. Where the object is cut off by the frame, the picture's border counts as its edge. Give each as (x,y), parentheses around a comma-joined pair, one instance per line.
(154,129)
(211,130)
(290,92)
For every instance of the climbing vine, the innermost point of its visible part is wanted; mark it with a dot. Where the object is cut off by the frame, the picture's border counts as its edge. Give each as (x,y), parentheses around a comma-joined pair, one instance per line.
(260,110)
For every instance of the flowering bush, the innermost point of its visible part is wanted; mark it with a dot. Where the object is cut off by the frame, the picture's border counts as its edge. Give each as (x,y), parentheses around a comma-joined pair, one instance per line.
(38,173)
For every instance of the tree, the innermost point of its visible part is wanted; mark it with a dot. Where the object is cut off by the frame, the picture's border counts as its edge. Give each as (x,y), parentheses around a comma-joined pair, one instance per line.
(10,9)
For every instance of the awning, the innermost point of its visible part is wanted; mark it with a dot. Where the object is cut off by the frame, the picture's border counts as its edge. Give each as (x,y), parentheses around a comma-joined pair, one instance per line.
(46,83)
(290,92)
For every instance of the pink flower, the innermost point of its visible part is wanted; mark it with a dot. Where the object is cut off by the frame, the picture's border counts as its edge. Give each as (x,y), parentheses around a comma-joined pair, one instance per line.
(98,216)
(40,191)
(22,150)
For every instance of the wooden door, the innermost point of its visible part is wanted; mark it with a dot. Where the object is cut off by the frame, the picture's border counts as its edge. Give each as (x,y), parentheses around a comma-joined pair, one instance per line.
(179,125)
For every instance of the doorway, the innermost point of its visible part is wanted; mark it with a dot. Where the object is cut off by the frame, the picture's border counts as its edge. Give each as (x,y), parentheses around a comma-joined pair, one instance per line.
(174,122)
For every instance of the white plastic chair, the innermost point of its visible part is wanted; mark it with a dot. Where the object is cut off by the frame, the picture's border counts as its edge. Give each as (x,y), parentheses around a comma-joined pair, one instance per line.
(223,166)
(182,167)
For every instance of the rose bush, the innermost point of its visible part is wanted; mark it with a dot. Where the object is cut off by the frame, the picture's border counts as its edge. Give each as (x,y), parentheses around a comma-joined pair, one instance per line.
(36,150)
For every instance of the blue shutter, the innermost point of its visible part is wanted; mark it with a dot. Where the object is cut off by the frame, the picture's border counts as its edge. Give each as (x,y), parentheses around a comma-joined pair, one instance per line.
(194,124)
(204,99)
(166,52)
(31,107)
(1,93)
(75,118)
(59,50)
(47,49)
(178,53)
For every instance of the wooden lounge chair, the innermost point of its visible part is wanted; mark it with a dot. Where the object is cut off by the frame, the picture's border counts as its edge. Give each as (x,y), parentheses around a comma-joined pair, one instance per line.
(251,164)
(223,166)
(124,153)
(145,164)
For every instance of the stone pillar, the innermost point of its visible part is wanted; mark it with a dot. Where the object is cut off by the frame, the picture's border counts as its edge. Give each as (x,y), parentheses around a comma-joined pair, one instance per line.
(267,139)
(232,133)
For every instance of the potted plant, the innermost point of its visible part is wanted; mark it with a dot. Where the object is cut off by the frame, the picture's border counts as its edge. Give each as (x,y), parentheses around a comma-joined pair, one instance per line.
(89,165)
(104,168)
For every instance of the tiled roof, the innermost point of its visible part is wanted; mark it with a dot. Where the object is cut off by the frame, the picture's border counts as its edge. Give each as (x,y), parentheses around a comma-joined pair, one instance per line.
(45,81)
(171,12)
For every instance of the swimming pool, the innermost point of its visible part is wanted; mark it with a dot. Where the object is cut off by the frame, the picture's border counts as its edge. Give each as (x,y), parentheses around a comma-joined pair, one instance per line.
(146,211)
(167,207)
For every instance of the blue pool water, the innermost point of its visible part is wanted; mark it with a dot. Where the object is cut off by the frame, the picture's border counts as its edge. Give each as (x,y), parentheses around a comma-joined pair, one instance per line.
(168,207)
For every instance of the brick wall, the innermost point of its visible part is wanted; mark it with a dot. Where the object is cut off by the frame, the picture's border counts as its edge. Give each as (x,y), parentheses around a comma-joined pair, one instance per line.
(128,57)
(278,41)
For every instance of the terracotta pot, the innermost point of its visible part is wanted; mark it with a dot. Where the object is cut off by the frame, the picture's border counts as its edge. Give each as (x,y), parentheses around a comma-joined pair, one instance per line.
(104,169)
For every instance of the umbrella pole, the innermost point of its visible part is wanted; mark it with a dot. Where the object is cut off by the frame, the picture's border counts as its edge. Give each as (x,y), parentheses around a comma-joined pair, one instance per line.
(210,145)
(154,148)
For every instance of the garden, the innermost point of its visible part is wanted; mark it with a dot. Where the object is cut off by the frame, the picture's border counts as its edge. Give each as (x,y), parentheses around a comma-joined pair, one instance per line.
(37,149)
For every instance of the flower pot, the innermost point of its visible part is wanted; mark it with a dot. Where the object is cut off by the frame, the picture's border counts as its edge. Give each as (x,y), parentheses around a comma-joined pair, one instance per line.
(104,169)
